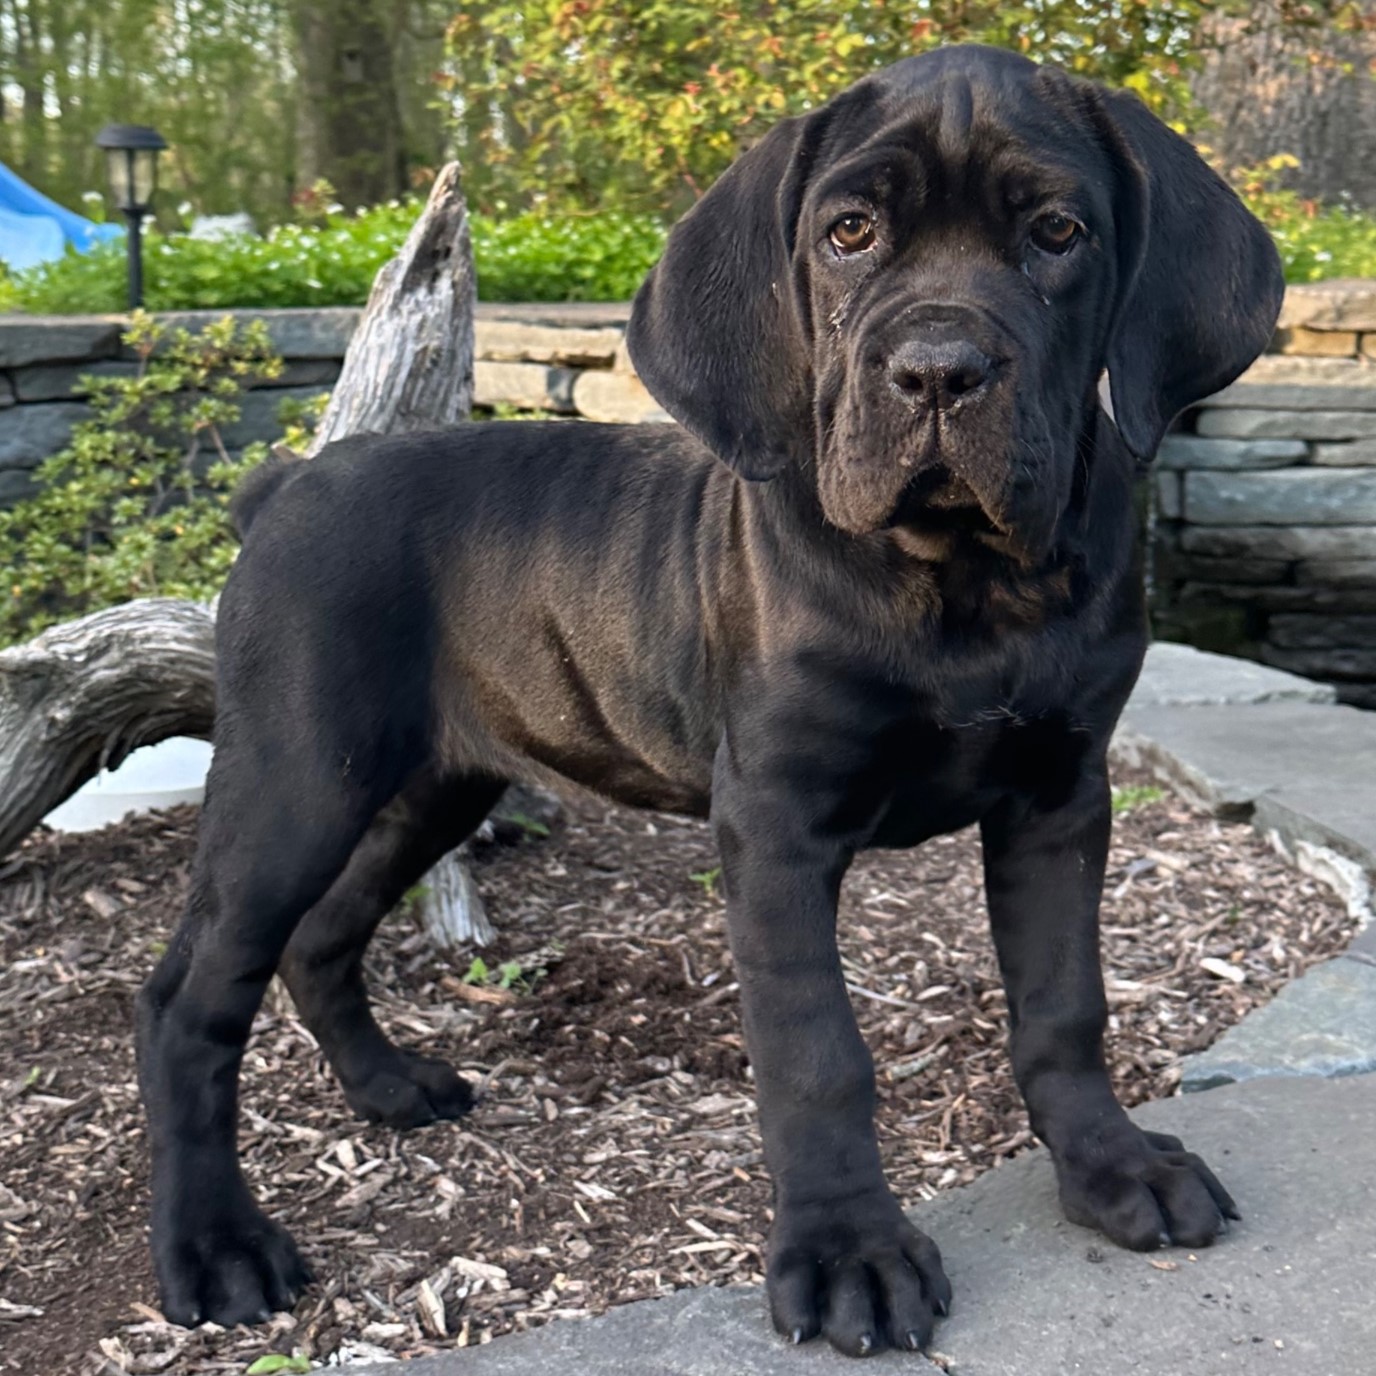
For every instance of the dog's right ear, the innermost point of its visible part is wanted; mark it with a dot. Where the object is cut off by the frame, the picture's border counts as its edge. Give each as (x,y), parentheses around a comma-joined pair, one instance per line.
(717,332)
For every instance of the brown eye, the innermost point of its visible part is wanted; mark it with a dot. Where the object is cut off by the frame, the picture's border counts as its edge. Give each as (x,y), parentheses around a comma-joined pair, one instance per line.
(853,233)
(1055,233)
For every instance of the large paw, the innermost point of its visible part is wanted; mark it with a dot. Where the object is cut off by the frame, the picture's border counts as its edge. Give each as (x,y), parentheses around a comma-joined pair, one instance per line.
(227,1267)
(856,1271)
(1142,1189)
(408,1091)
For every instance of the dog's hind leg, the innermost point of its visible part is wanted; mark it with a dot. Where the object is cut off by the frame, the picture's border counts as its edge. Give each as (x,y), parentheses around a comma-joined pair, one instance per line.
(286,805)
(323,964)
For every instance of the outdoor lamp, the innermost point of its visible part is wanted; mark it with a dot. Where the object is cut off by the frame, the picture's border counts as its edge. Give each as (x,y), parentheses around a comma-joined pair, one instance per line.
(131,160)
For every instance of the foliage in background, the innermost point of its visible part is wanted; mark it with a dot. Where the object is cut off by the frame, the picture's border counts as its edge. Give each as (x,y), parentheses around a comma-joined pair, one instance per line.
(135,506)
(640,104)
(571,103)
(333,263)
(533,257)
(201,73)
(555,107)
(1315,241)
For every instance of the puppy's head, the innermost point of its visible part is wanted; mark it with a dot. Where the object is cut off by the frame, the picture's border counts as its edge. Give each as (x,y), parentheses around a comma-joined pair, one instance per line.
(912,291)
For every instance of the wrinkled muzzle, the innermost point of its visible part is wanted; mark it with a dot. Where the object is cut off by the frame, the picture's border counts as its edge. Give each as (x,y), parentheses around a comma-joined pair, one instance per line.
(931,431)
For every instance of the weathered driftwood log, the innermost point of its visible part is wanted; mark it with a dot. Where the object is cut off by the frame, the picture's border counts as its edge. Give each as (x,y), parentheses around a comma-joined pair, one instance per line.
(409,365)
(80,696)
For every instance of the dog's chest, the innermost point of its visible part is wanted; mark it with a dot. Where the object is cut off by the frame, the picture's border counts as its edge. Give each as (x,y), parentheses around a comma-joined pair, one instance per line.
(986,722)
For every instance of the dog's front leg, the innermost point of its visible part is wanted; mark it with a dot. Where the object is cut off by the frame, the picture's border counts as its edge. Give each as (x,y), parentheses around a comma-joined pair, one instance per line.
(1044,861)
(843,1259)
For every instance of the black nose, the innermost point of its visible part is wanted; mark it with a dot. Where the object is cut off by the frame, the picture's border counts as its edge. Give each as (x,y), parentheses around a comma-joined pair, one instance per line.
(935,375)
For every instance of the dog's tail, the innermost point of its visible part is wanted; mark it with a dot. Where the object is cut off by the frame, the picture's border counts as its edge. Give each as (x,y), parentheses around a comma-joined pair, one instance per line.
(279,467)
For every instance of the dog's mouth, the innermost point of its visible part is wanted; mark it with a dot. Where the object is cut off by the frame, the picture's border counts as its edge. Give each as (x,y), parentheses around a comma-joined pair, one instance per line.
(937,501)
(939,513)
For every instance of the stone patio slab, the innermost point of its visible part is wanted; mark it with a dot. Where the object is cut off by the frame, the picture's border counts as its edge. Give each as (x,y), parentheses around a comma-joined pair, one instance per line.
(1181,676)
(1286,1293)
(1305,769)
(1323,1023)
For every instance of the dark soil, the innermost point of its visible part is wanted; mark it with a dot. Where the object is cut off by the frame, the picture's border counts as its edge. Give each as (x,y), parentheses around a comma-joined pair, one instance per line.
(614,1155)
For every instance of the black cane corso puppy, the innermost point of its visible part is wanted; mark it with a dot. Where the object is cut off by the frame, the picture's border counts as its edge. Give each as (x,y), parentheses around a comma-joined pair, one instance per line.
(882,584)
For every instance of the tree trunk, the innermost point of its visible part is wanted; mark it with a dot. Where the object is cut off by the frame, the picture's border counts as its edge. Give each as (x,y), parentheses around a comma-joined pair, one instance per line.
(1273,87)
(82,695)
(351,110)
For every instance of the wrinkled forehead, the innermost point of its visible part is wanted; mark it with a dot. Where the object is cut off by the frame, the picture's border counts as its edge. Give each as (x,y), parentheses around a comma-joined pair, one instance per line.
(988,128)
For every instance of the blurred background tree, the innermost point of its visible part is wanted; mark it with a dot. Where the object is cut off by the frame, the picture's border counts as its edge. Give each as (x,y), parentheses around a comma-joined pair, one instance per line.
(1295,79)
(630,104)
(257,98)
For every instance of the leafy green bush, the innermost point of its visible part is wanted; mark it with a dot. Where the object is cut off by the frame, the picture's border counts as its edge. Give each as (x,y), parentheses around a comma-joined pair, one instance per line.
(1319,243)
(565,258)
(331,264)
(1315,241)
(527,258)
(135,506)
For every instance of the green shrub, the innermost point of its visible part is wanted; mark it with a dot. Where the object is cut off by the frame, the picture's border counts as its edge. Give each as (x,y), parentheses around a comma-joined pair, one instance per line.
(565,257)
(135,506)
(333,263)
(1315,241)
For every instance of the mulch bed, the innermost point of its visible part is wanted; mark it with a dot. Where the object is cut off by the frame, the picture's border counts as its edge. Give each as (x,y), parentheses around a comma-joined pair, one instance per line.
(615,1155)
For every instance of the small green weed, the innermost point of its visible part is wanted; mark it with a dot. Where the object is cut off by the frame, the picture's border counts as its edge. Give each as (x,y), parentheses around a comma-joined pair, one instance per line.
(273,1362)
(504,410)
(709,879)
(508,975)
(1125,799)
(412,899)
(529,825)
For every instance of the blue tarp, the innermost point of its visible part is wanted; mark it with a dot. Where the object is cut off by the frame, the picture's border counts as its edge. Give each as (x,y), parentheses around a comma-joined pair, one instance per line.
(34,229)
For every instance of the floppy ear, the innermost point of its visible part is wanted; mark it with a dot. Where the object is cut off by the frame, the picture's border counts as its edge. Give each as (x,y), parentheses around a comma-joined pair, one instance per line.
(1201,279)
(718,332)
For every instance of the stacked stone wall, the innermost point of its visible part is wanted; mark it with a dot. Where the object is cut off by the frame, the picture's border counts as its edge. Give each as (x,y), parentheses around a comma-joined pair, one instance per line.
(561,359)
(1264,512)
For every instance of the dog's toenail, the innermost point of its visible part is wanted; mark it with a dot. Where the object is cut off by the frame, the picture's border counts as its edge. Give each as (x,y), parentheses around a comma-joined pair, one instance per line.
(796,1336)
(866,1342)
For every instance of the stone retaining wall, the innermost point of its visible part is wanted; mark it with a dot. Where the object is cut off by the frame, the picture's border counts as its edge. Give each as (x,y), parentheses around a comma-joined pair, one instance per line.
(1265,502)
(564,359)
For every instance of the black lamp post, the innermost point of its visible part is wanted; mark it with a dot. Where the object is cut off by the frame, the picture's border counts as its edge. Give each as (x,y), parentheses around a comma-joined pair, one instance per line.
(131,159)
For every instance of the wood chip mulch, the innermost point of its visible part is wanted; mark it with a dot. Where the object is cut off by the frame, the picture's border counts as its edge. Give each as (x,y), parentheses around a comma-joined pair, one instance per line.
(615,1155)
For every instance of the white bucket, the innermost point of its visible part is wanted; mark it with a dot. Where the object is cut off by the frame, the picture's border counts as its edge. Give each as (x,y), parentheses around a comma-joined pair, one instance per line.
(157,776)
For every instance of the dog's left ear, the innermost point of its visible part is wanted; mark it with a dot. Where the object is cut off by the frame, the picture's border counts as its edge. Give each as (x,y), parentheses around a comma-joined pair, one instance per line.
(716,332)
(1201,281)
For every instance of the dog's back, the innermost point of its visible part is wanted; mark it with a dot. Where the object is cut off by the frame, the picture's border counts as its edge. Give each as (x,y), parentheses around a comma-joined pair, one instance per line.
(521,592)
